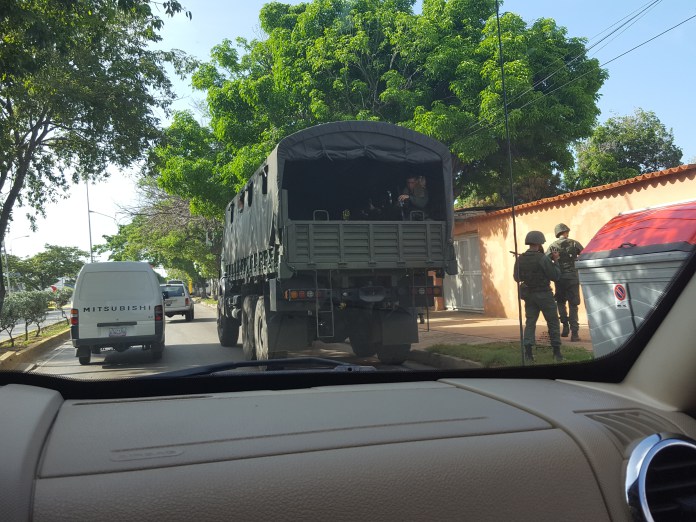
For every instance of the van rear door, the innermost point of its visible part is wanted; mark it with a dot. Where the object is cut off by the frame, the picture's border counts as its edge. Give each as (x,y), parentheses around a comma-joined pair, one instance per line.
(116,304)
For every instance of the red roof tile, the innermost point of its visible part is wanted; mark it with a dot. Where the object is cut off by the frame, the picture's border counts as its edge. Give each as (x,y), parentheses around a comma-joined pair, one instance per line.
(593,190)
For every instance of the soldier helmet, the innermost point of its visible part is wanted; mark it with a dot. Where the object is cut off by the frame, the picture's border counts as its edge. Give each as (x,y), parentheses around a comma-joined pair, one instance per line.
(534,238)
(560,228)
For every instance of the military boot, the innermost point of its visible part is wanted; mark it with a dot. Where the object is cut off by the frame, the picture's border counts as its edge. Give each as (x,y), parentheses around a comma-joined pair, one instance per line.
(557,354)
(528,355)
(566,330)
(574,337)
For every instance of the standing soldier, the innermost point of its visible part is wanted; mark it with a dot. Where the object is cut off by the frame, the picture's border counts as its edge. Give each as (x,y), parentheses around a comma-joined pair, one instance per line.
(535,271)
(568,288)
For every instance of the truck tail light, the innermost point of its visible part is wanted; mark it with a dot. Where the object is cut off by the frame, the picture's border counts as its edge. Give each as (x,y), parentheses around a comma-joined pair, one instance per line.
(303,295)
(74,317)
(427,290)
(159,315)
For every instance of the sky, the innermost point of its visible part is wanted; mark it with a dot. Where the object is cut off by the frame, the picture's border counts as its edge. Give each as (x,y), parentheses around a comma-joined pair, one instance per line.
(658,76)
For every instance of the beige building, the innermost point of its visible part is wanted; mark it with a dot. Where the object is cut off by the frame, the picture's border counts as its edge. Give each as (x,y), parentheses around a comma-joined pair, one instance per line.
(484,241)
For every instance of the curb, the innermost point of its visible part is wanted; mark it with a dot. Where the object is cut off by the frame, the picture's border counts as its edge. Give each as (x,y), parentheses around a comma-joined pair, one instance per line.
(11,359)
(441,361)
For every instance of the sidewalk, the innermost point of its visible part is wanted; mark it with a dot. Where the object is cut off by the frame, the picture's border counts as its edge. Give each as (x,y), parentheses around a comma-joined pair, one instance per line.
(454,327)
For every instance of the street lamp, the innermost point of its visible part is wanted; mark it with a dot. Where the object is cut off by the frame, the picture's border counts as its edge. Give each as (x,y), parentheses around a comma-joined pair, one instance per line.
(105,215)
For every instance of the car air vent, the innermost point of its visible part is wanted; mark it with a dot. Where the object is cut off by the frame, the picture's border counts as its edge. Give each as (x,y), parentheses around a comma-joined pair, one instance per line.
(627,426)
(661,478)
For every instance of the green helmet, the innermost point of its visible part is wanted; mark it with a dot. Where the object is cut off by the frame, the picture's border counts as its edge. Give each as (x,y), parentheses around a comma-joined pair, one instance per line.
(560,228)
(534,238)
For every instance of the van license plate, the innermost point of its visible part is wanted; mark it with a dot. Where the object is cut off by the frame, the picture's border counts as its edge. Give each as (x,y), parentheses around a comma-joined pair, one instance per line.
(117,332)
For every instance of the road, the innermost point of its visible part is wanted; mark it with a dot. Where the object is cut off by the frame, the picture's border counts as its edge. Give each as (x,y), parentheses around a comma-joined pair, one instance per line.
(187,345)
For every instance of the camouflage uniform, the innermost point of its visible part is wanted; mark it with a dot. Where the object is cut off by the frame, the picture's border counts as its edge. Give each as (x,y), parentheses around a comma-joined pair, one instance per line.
(535,271)
(568,287)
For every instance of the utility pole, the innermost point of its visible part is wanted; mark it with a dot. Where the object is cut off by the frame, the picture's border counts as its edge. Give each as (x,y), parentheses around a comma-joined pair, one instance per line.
(89,224)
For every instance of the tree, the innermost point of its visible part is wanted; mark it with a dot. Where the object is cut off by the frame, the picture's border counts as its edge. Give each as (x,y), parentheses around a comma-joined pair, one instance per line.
(190,164)
(77,92)
(437,73)
(10,315)
(164,232)
(622,148)
(60,298)
(40,271)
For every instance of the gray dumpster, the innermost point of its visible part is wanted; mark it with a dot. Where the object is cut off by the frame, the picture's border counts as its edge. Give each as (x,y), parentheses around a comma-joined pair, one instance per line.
(626,267)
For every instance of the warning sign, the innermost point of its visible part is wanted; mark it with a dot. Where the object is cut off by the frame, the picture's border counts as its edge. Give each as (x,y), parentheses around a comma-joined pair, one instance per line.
(620,296)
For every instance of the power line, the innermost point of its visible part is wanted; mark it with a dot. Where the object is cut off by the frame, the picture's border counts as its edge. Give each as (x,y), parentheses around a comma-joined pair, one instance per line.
(632,17)
(489,125)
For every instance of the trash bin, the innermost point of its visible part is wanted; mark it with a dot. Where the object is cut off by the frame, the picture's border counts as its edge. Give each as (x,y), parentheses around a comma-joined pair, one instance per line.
(626,267)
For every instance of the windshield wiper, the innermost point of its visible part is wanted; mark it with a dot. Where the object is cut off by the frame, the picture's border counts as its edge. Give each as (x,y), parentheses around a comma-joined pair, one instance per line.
(270,364)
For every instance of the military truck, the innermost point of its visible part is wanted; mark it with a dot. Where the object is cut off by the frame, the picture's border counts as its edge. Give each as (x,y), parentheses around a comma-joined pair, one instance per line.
(317,247)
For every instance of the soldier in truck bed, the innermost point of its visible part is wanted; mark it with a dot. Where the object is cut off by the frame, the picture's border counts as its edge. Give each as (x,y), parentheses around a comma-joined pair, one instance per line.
(568,287)
(415,194)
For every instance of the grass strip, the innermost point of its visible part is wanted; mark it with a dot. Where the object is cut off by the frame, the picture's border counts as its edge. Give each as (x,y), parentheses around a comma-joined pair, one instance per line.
(500,354)
(20,343)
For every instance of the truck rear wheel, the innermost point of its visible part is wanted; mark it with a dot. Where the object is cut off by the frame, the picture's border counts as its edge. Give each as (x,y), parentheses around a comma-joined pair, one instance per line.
(266,333)
(393,354)
(227,329)
(362,348)
(248,313)
(157,348)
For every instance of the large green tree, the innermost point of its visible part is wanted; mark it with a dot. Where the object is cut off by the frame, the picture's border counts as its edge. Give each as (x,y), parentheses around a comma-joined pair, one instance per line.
(78,89)
(622,148)
(42,270)
(437,72)
(163,232)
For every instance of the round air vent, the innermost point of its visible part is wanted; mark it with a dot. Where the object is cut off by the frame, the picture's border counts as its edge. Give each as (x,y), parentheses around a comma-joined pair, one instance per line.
(661,478)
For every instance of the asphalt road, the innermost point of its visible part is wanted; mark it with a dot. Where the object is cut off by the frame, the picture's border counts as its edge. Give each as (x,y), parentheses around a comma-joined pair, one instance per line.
(188,345)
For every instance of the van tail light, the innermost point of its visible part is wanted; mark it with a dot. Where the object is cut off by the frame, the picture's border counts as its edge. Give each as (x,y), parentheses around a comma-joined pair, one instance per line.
(74,314)
(159,315)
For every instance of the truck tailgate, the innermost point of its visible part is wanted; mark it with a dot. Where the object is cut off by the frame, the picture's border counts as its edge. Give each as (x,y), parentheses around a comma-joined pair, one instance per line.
(410,244)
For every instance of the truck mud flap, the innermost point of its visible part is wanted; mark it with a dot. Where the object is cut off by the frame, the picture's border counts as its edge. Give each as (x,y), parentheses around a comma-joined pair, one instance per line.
(291,331)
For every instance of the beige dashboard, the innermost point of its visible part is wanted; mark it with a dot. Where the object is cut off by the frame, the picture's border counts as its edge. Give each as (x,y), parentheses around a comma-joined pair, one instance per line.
(472,449)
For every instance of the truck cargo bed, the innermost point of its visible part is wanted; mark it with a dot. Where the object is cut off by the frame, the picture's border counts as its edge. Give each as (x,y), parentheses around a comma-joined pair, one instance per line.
(386,244)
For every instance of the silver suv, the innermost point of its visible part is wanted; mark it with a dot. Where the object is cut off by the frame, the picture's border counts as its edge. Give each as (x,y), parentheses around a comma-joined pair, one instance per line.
(177,301)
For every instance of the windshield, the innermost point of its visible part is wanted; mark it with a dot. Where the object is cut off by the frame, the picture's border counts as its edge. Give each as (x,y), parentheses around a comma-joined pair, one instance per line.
(173,290)
(395,185)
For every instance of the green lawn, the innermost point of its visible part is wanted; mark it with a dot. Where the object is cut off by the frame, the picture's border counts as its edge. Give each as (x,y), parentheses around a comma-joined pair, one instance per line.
(499,354)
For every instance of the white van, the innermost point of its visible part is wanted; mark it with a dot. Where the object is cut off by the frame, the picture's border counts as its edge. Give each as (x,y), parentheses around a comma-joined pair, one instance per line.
(118,305)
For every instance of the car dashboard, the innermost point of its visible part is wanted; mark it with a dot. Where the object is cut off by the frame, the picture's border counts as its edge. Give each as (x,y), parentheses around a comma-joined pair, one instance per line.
(476,449)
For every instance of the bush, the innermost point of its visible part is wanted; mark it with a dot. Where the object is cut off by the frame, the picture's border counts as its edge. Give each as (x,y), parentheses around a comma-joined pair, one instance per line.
(32,308)
(10,315)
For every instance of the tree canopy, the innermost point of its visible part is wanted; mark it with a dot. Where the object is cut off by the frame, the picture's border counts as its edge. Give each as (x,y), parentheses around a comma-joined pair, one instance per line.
(163,232)
(624,147)
(437,72)
(42,270)
(78,90)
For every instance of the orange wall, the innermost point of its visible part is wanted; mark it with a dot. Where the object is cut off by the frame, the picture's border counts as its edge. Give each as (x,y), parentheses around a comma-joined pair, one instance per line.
(583,211)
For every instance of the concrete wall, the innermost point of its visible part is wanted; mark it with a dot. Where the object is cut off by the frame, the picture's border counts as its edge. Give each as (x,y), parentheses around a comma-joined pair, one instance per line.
(584,211)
